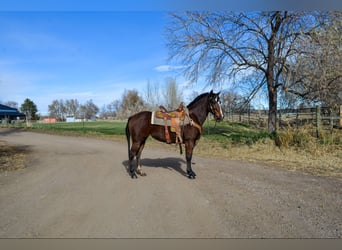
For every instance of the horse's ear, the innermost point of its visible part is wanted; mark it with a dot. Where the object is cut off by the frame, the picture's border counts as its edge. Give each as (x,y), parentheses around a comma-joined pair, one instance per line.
(211,92)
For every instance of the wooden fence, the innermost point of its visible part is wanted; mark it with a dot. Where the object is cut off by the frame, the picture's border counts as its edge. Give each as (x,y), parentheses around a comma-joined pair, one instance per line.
(320,117)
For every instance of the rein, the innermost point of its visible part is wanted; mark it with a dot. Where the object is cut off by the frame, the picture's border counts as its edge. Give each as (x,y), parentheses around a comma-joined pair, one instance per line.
(192,122)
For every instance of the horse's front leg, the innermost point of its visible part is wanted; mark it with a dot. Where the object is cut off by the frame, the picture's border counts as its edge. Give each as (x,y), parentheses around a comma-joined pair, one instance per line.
(189,146)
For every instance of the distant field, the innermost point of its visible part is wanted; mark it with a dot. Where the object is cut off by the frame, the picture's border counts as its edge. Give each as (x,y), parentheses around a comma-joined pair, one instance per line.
(103,128)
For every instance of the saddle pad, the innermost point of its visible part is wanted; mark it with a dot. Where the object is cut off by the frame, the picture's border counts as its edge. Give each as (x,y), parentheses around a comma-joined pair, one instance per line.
(170,115)
(160,121)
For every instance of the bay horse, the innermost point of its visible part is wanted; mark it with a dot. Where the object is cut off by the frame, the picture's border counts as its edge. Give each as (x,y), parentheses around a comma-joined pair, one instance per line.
(139,127)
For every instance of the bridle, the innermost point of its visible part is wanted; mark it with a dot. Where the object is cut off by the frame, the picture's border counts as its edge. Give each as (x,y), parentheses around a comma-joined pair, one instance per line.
(212,103)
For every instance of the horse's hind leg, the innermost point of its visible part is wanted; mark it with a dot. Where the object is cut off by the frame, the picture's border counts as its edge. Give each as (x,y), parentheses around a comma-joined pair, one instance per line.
(139,169)
(136,151)
(133,153)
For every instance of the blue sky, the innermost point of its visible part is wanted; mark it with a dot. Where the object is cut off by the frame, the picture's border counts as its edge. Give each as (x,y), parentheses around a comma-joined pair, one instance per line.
(94,49)
(84,55)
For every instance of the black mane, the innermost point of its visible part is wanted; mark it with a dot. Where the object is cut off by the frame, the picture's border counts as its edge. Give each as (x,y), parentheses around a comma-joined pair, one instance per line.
(197,99)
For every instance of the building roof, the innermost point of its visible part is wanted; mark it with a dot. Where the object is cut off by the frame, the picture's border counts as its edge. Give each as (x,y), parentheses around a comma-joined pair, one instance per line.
(8,111)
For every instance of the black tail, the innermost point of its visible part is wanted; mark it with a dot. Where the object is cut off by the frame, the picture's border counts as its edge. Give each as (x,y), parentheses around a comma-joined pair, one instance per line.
(128,136)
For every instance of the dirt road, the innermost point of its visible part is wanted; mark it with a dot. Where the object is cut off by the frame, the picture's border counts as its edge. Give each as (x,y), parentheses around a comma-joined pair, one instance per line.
(79,187)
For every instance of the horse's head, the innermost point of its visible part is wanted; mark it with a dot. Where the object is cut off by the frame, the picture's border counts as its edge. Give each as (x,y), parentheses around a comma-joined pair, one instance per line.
(215,106)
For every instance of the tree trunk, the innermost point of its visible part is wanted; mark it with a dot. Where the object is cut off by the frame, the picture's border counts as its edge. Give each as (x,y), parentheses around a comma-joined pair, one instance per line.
(272,90)
(271,84)
(272,113)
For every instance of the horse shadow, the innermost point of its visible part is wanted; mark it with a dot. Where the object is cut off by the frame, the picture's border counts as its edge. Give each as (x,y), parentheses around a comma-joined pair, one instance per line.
(169,163)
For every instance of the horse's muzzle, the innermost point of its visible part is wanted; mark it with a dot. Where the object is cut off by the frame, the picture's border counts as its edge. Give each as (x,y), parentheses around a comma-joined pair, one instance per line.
(219,118)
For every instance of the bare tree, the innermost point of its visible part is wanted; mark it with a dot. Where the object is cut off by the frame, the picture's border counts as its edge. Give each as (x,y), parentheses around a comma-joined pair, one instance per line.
(173,95)
(89,109)
(152,95)
(229,45)
(315,74)
(131,103)
(112,108)
(57,110)
(72,107)
(110,111)
(232,102)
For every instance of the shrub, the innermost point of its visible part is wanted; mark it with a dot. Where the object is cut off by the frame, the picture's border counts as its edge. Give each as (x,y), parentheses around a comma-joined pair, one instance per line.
(305,137)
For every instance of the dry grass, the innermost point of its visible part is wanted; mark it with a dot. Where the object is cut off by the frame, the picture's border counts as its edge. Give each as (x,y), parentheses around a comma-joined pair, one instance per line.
(321,161)
(11,157)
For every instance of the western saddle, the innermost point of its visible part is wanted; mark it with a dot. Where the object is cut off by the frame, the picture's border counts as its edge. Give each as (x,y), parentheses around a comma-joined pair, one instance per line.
(175,117)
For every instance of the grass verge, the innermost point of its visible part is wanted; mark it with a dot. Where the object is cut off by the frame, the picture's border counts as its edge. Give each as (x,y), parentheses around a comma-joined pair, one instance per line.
(11,157)
(292,149)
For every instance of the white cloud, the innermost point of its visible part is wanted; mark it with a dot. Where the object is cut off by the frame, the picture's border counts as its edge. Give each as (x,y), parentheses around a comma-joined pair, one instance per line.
(167,68)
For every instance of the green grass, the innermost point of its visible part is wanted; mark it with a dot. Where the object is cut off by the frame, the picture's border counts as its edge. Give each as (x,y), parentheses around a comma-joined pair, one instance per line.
(102,128)
(236,133)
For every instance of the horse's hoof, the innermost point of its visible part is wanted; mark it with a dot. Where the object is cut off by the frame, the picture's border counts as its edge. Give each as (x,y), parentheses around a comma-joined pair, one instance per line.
(192,176)
(141,173)
(134,176)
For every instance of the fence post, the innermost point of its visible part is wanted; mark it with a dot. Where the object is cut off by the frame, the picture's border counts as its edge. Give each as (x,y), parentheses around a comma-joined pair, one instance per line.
(331,120)
(249,113)
(340,115)
(318,121)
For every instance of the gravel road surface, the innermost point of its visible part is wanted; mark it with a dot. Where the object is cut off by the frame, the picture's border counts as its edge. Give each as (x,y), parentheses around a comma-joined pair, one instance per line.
(77,187)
